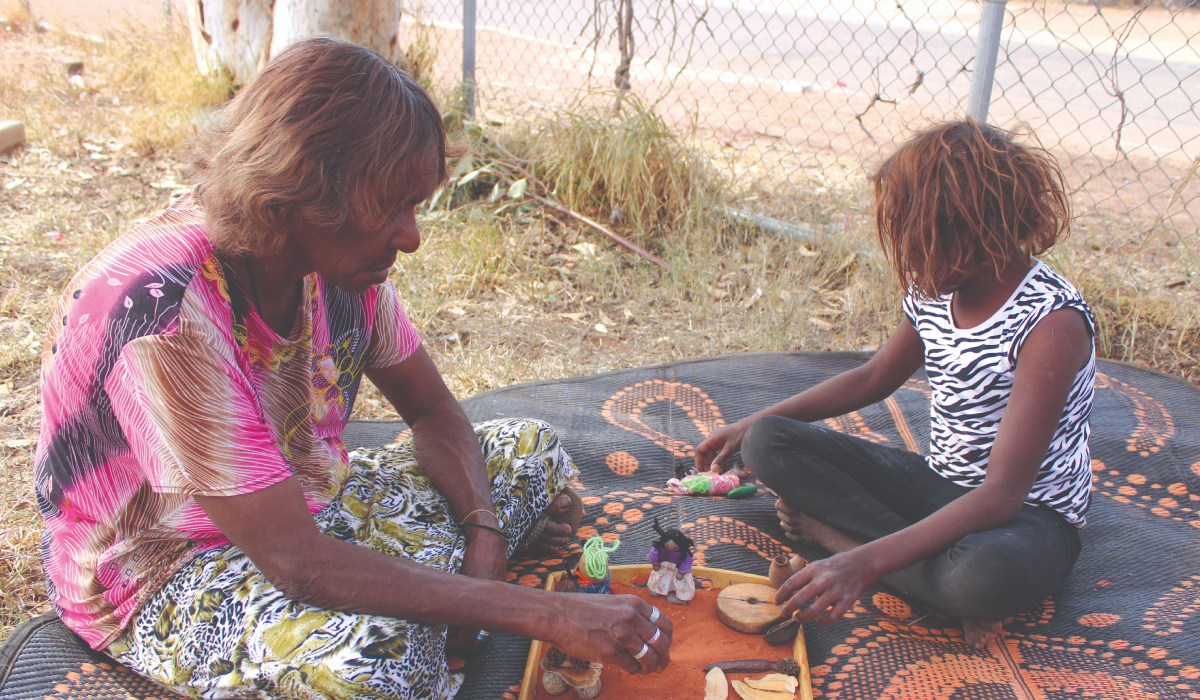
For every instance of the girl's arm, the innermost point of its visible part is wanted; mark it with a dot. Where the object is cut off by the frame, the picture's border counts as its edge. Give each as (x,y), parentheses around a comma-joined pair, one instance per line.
(1053,354)
(900,356)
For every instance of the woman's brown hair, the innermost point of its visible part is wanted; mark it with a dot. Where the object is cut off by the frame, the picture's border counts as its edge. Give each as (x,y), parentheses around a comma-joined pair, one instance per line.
(962,196)
(330,132)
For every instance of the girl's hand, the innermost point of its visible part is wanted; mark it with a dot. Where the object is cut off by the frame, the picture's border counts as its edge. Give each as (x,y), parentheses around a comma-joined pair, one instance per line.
(611,629)
(827,586)
(719,446)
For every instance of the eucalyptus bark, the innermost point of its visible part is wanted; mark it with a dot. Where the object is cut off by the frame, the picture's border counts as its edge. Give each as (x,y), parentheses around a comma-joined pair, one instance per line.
(239,37)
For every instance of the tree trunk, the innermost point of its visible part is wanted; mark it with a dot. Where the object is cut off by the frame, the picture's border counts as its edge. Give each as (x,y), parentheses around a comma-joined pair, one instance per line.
(231,35)
(371,23)
(241,36)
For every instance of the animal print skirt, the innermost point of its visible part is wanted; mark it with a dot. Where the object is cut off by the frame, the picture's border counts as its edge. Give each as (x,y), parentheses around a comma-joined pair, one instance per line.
(219,629)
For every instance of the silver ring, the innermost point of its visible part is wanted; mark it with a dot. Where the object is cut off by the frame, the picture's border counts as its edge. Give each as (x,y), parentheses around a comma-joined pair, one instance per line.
(657,634)
(645,650)
(655,615)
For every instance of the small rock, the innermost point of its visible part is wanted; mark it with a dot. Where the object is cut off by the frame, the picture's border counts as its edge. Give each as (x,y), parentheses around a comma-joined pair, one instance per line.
(73,66)
(11,134)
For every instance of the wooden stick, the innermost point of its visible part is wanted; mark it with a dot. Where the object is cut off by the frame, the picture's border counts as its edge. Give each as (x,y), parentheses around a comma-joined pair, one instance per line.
(621,240)
(615,237)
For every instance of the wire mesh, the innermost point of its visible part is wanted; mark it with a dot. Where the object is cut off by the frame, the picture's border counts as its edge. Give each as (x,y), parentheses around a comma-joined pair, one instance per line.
(805,91)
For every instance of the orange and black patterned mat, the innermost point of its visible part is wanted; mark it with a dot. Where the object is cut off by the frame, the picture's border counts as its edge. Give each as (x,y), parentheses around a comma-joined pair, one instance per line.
(1121,628)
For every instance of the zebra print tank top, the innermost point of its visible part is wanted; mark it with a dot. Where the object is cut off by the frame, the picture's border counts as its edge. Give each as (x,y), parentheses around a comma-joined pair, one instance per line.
(971,377)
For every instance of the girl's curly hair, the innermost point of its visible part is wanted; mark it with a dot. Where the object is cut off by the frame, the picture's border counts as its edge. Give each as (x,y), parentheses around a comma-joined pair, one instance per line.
(963,196)
(329,133)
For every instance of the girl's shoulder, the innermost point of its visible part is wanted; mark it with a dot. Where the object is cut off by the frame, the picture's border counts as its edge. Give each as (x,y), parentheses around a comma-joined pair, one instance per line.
(1046,291)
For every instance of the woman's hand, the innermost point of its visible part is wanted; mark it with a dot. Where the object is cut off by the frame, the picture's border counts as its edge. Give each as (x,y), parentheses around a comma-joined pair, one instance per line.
(721,444)
(612,629)
(827,586)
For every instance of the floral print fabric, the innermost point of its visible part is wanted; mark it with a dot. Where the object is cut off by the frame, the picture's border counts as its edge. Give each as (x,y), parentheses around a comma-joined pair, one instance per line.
(219,629)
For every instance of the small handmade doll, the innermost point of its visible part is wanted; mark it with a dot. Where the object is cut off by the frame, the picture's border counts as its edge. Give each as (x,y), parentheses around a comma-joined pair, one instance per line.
(671,556)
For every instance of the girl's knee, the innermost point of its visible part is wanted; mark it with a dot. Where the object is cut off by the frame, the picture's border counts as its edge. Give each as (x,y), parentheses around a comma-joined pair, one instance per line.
(769,447)
(996,579)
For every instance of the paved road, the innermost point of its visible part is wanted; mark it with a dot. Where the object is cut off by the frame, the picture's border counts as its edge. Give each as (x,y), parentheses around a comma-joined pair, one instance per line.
(791,49)
(803,44)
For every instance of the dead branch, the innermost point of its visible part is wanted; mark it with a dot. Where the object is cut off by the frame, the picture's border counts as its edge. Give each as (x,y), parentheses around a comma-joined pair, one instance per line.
(858,117)
(558,206)
(621,240)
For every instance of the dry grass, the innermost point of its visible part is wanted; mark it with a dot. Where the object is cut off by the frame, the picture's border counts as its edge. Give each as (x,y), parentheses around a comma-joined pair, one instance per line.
(503,291)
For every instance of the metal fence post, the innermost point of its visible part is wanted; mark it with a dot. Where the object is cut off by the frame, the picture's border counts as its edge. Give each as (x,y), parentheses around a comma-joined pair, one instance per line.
(986,50)
(469,58)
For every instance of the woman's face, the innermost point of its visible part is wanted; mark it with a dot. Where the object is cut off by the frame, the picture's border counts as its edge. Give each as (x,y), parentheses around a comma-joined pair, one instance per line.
(357,257)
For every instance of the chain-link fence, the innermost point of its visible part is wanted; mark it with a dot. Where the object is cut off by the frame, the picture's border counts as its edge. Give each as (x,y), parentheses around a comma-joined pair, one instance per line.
(809,91)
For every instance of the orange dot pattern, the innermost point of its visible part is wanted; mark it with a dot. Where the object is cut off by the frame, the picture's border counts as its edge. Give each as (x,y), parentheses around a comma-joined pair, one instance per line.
(716,529)
(1170,612)
(625,409)
(1154,423)
(923,656)
(891,606)
(854,424)
(1099,620)
(621,463)
(1174,500)
(623,508)
(96,681)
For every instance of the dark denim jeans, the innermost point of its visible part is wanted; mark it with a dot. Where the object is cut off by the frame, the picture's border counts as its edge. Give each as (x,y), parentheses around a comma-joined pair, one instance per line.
(868,491)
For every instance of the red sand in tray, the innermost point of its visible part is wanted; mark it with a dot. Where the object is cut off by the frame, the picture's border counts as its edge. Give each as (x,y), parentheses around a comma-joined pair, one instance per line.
(699,639)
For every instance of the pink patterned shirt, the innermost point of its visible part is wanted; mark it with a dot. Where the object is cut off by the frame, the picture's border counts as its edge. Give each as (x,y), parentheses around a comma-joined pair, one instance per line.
(159,382)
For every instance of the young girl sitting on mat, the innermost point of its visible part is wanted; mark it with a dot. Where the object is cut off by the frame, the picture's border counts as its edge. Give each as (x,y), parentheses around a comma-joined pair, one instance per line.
(987,523)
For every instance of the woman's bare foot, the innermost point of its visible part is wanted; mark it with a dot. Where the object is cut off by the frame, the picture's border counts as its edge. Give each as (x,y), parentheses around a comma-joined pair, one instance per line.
(556,535)
(978,634)
(801,528)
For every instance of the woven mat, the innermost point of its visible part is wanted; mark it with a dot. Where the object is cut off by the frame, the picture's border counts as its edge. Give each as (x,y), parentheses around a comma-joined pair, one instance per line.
(1121,628)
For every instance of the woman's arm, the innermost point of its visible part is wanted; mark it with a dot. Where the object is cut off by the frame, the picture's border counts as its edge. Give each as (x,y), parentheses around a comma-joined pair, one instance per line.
(900,356)
(275,529)
(1053,353)
(448,450)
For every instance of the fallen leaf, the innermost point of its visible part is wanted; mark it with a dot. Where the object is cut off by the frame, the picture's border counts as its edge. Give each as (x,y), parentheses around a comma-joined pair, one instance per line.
(19,443)
(753,298)
(578,316)
(600,328)
(776,682)
(715,685)
(804,250)
(820,322)
(749,693)
(606,320)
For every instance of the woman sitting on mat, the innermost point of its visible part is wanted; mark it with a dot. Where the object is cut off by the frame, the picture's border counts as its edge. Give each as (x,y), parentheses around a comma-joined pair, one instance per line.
(987,523)
(204,522)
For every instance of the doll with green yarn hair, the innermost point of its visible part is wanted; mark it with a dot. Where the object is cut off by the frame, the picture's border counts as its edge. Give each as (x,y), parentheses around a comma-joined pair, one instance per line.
(592,572)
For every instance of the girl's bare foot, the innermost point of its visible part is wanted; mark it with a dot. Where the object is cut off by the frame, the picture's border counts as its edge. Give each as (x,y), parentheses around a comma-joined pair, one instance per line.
(801,528)
(978,634)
